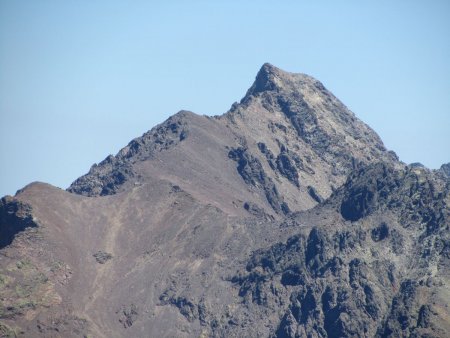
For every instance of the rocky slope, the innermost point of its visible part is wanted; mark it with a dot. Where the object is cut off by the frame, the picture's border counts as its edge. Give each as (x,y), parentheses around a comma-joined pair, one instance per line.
(284,217)
(291,140)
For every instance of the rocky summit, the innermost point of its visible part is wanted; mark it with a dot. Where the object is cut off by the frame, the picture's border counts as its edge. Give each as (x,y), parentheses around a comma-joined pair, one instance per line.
(284,217)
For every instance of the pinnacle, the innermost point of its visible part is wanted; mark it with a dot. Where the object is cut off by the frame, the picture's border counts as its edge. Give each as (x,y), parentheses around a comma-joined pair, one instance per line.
(266,79)
(272,78)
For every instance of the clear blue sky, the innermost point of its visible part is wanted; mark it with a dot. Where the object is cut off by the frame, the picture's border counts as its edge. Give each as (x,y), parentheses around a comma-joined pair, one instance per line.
(80,79)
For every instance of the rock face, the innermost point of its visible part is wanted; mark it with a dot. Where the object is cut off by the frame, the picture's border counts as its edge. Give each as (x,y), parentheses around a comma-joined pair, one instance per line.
(15,216)
(284,217)
(116,171)
(372,275)
(445,169)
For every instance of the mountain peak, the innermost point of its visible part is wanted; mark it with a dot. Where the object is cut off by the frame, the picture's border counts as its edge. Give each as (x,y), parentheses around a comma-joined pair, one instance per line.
(268,78)
(270,69)
(272,78)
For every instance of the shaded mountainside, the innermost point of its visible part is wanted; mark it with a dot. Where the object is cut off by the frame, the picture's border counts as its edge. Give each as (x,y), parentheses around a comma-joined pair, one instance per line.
(284,217)
(375,263)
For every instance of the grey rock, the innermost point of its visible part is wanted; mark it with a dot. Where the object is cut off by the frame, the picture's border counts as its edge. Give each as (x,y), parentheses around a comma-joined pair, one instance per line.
(445,168)
(252,172)
(15,217)
(102,257)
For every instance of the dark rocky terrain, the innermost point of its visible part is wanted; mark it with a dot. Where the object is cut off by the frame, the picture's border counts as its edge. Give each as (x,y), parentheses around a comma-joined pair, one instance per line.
(284,217)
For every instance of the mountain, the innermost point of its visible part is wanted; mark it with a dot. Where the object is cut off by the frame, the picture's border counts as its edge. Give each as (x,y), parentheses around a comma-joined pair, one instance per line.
(291,140)
(284,217)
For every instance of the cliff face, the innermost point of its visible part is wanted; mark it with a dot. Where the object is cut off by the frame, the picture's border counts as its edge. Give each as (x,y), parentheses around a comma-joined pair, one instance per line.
(284,217)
